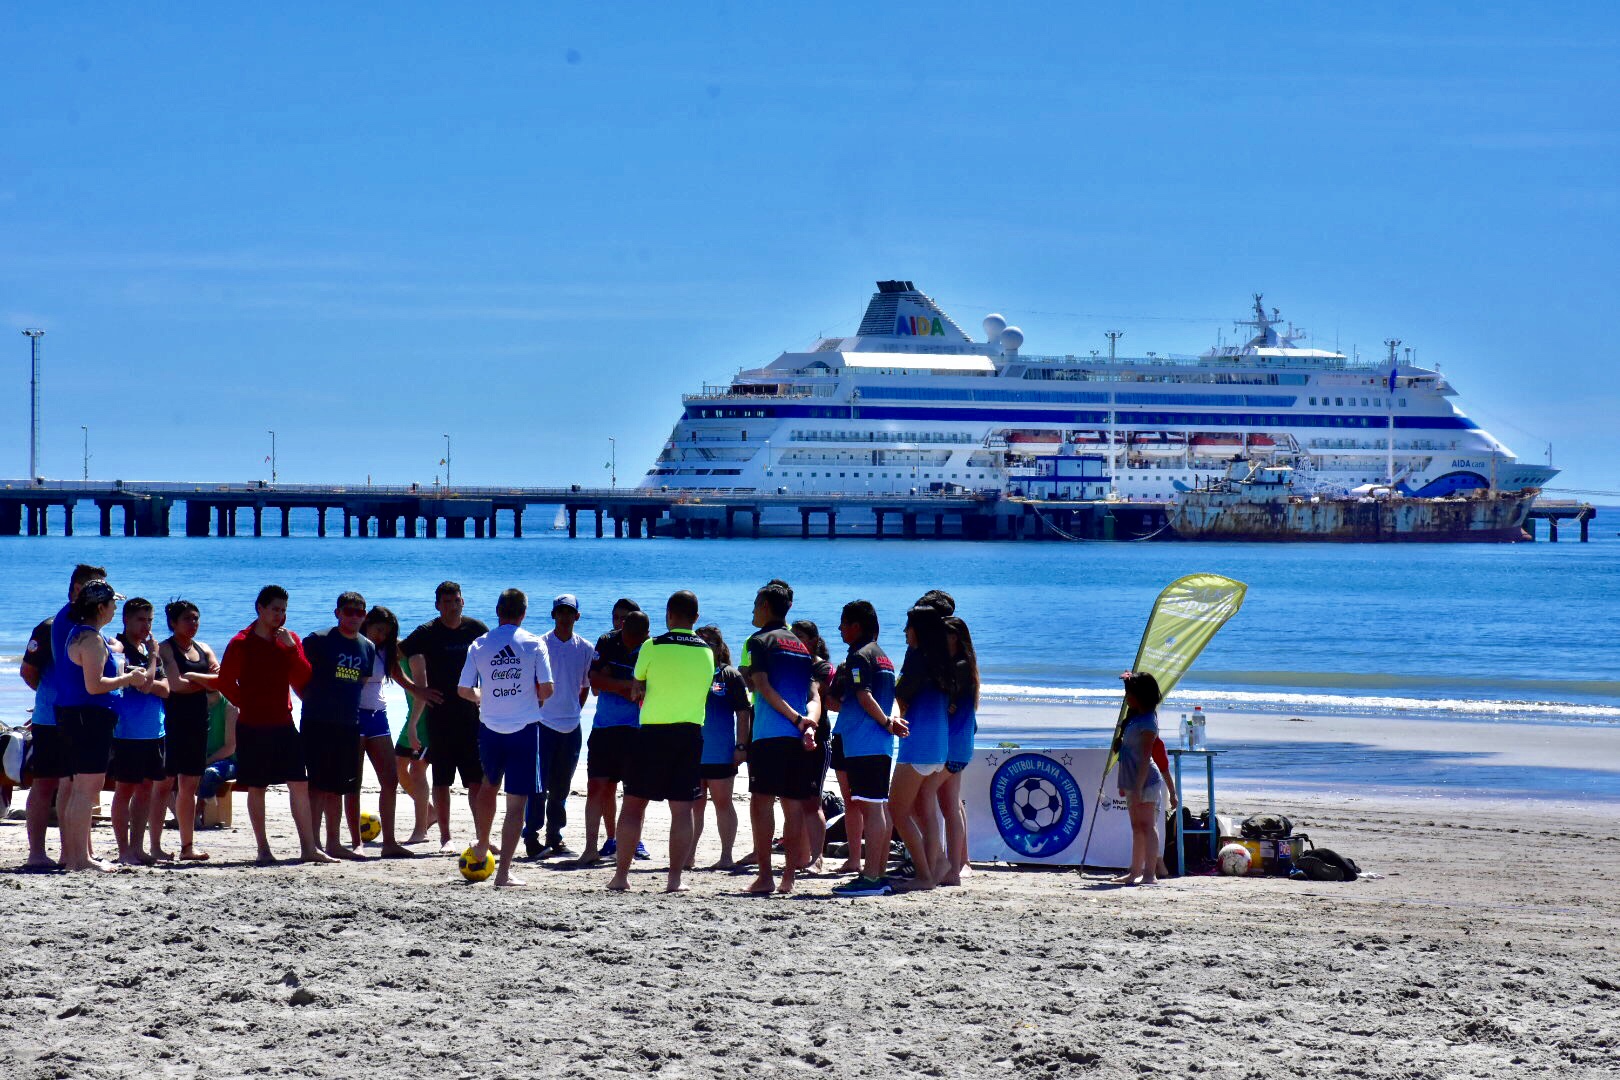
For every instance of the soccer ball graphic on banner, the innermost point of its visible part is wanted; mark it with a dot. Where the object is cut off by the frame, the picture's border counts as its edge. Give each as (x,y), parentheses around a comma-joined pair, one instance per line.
(1036,803)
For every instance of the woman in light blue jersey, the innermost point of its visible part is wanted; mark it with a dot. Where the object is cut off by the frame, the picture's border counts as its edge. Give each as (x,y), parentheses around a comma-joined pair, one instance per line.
(963,726)
(924,691)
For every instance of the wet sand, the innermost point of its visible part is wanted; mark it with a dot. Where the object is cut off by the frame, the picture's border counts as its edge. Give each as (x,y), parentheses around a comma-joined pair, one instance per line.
(1483,942)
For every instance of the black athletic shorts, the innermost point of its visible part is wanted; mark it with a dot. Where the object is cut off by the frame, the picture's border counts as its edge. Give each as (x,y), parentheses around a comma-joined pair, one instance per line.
(823,750)
(135,761)
(266,756)
(782,767)
(185,745)
(453,747)
(332,756)
(869,777)
(49,756)
(721,771)
(88,730)
(607,754)
(835,753)
(666,763)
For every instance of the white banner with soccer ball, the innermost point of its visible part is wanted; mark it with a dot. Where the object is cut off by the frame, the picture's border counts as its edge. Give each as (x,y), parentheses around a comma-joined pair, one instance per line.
(1034,806)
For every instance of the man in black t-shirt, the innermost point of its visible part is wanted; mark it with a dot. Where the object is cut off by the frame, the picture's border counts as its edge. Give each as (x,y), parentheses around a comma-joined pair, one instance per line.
(437,652)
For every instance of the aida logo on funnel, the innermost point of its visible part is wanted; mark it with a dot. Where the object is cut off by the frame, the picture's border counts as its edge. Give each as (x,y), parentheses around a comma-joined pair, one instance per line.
(917,326)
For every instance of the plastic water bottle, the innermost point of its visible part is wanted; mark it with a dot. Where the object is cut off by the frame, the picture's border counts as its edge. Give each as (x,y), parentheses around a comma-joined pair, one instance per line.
(1186,733)
(1195,729)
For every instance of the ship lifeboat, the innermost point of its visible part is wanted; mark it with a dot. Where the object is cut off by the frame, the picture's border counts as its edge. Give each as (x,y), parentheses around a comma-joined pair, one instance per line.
(1024,438)
(1087,440)
(1158,444)
(1262,444)
(1217,446)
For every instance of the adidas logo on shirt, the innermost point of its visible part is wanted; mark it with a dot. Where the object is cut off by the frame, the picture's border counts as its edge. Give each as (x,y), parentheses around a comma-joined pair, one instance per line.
(505,657)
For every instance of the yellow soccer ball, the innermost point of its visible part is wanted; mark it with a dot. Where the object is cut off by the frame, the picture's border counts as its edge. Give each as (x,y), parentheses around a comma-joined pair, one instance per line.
(472,869)
(370,826)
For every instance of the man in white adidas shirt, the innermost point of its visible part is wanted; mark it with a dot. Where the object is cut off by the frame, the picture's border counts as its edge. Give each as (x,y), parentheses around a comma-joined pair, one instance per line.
(507,676)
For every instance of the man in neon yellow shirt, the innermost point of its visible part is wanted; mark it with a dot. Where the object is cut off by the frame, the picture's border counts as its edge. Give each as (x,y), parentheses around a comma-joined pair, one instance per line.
(672,676)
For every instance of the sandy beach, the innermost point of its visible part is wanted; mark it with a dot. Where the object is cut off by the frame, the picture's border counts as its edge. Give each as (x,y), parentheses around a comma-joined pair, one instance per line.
(1482,942)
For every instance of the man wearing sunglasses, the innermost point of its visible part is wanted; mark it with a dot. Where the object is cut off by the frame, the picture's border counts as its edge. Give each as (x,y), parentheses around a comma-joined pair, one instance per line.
(340,660)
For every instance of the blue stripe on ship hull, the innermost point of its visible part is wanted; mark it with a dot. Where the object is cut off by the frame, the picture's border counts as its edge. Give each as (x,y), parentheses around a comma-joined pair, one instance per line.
(1098,417)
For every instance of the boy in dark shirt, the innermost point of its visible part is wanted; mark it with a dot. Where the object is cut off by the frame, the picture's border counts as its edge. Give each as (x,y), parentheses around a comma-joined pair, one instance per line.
(340,661)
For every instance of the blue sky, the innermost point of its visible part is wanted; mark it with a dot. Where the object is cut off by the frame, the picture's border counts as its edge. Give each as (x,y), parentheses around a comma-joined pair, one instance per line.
(534,230)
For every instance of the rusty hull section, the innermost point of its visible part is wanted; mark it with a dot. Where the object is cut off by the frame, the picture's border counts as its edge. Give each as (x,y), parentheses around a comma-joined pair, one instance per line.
(1238,515)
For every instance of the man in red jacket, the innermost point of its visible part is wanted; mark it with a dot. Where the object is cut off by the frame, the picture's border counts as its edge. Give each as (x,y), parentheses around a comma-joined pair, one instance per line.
(261,668)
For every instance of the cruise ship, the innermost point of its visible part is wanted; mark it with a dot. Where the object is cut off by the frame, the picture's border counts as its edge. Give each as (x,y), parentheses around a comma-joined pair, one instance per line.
(911,404)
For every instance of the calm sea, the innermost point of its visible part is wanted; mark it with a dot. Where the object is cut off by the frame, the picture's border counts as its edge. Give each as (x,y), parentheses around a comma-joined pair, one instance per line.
(1526,633)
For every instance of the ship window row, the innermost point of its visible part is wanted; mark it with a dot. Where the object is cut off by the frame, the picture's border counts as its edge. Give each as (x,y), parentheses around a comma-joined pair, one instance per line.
(923,393)
(1219,378)
(718,413)
(802,435)
(1263,401)
(1350,402)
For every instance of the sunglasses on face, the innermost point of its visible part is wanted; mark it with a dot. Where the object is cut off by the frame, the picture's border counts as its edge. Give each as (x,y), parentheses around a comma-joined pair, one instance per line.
(353,612)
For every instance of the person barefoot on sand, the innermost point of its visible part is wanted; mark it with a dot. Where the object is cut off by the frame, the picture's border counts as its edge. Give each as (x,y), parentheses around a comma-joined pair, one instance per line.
(728,718)
(340,660)
(864,749)
(261,667)
(85,711)
(673,673)
(1138,776)
(783,760)
(137,747)
(963,726)
(48,750)
(608,753)
(437,652)
(381,628)
(410,750)
(507,676)
(815,822)
(192,670)
(923,691)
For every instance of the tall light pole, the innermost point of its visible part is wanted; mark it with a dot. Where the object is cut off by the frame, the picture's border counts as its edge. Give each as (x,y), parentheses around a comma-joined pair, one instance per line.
(613,463)
(86,431)
(33,403)
(447,464)
(272,459)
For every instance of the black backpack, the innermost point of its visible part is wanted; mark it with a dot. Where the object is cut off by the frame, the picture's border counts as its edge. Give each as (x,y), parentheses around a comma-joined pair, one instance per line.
(1325,864)
(1266,827)
(1195,846)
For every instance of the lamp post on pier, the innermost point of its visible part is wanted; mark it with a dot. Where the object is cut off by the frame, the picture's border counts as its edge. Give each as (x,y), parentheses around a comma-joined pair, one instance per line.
(272,459)
(33,334)
(447,464)
(86,431)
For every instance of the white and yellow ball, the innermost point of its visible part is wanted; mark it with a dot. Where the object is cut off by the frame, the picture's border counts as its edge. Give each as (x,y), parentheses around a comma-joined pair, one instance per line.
(1234,860)
(474,870)
(370,827)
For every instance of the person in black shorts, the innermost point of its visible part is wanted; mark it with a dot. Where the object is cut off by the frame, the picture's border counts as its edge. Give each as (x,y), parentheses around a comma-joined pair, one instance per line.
(437,651)
(192,669)
(728,714)
(48,751)
(137,747)
(613,724)
(815,821)
(783,758)
(340,661)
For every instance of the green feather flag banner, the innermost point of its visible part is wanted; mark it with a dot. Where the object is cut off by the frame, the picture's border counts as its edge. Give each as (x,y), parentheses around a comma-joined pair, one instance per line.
(1185,617)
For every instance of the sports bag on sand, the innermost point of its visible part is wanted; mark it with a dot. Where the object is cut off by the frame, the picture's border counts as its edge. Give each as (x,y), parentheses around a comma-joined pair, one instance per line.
(1266,827)
(1325,864)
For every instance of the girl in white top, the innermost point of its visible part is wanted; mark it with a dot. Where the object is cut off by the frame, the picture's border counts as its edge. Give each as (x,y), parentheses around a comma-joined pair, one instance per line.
(376,739)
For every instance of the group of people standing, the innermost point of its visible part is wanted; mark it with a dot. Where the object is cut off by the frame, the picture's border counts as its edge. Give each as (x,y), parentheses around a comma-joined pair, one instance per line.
(501,708)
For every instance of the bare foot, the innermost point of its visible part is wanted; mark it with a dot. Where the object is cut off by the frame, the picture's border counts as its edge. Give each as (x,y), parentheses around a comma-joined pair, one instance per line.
(1150,881)
(265,858)
(448,847)
(676,887)
(725,864)
(949,881)
(1122,879)
(347,854)
(763,885)
(42,862)
(417,838)
(90,864)
(193,855)
(786,885)
(849,866)
(510,882)
(397,851)
(618,884)
(159,855)
(131,859)
(315,855)
(590,858)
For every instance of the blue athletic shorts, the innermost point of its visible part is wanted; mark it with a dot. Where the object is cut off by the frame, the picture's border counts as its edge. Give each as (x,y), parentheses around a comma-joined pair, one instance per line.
(374,724)
(511,761)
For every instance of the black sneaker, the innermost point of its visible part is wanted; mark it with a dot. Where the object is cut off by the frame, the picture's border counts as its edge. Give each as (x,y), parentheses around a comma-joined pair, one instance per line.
(864,886)
(560,850)
(531,847)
